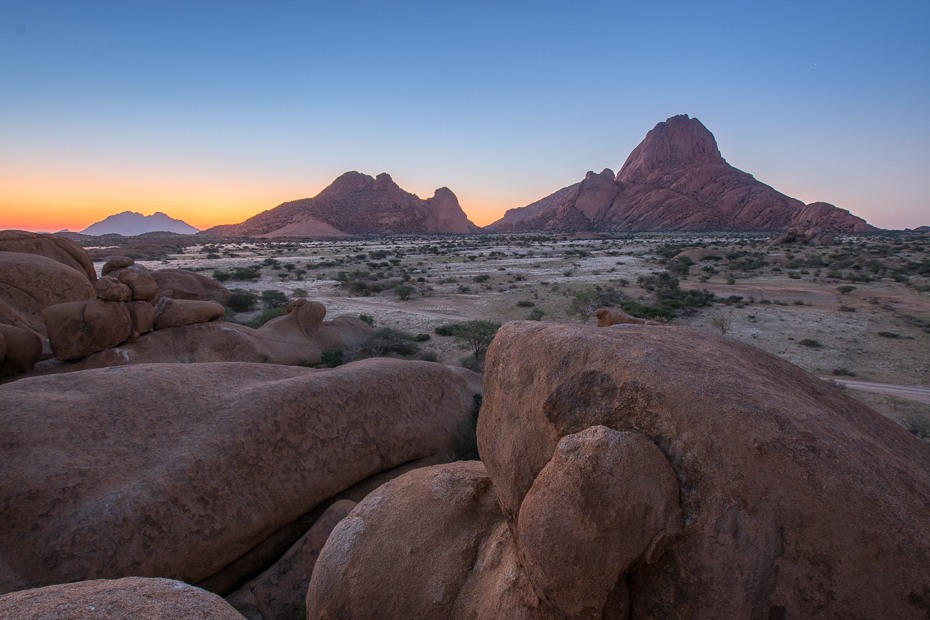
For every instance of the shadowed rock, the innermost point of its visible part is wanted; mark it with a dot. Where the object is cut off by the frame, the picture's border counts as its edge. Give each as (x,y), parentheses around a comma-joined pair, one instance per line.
(132,598)
(179,470)
(184,284)
(30,283)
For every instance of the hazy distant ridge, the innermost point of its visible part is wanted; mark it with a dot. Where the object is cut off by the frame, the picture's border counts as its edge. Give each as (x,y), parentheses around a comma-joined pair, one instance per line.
(129,223)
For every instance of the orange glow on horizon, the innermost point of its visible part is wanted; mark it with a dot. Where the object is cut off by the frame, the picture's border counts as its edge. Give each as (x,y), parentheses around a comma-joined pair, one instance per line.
(50,205)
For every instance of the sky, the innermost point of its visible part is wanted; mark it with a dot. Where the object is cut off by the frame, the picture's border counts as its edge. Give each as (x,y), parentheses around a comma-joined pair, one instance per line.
(212,111)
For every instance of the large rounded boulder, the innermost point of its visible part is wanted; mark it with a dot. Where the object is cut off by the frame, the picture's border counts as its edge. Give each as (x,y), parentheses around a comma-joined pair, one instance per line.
(184,284)
(30,283)
(58,249)
(644,471)
(178,471)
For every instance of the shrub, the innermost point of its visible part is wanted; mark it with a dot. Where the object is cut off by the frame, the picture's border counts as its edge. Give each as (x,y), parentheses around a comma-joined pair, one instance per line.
(221,276)
(331,359)
(847,309)
(241,300)
(536,314)
(721,322)
(471,335)
(387,341)
(525,304)
(273,299)
(245,273)
(810,342)
(263,317)
(299,292)
(918,425)
(403,291)
(843,372)
(888,335)
(482,278)
(367,318)
(421,338)
(845,289)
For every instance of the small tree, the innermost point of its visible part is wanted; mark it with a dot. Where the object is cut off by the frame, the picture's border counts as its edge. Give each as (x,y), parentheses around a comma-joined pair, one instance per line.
(403,291)
(475,336)
(273,299)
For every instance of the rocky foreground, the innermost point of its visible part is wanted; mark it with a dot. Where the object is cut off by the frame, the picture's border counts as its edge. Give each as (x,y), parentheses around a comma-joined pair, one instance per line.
(161,463)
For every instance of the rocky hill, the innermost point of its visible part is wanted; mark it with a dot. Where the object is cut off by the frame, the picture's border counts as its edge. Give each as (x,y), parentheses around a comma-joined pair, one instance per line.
(356,203)
(675,179)
(129,223)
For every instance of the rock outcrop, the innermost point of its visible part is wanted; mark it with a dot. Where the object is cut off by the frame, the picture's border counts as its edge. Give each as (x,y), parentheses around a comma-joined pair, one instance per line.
(57,248)
(184,284)
(177,471)
(356,204)
(30,283)
(299,337)
(675,179)
(809,237)
(131,598)
(646,472)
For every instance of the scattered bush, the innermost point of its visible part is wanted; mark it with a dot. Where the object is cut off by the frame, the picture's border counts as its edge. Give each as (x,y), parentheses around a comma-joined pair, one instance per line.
(482,278)
(389,342)
(525,304)
(263,317)
(473,335)
(274,299)
(241,300)
(367,318)
(845,289)
(221,276)
(810,342)
(299,292)
(721,321)
(847,309)
(888,335)
(245,273)
(404,292)
(536,314)
(918,425)
(843,372)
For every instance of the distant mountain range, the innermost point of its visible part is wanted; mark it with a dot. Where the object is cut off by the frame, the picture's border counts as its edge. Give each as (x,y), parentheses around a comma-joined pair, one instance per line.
(129,223)
(355,203)
(675,179)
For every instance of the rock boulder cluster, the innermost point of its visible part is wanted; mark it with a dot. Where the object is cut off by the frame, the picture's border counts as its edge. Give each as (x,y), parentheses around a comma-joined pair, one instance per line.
(122,310)
(645,471)
(809,237)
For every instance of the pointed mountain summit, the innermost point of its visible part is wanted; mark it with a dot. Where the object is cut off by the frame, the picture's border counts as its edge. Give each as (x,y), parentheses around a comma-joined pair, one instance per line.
(130,224)
(676,179)
(356,203)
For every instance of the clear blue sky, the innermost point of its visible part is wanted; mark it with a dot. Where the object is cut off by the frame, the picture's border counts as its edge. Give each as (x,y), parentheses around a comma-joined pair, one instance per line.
(212,111)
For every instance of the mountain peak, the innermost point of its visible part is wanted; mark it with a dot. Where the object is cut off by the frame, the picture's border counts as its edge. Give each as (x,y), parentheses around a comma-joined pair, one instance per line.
(678,141)
(131,223)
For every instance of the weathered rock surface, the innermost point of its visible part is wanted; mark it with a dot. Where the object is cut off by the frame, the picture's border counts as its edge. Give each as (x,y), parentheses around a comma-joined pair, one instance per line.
(607,317)
(356,204)
(438,529)
(797,500)
(30,283)
(178,312)
(115,264)
(213,459)
(57,248)
(20,349)
(109,288)
(279,593)
(646,472)
(301,336)
(80,328)
(184,284)
(675,179)
(141,316)
(132,598)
